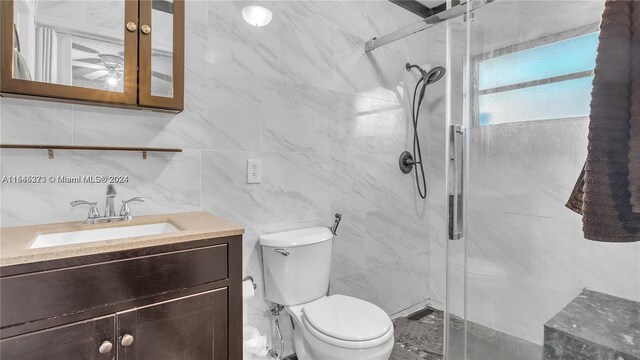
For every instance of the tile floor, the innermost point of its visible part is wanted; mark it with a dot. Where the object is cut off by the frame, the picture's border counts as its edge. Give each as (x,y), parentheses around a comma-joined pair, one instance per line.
(420,337)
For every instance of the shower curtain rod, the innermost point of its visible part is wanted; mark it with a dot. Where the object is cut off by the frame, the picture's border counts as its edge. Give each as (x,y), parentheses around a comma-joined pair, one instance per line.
(424,24)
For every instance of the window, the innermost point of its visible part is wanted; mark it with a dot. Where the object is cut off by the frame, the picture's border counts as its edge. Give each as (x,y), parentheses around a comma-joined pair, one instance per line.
(551,81)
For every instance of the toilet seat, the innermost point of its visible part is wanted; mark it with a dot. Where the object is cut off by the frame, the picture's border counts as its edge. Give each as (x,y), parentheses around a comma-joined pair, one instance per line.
(347,322)
(346,343)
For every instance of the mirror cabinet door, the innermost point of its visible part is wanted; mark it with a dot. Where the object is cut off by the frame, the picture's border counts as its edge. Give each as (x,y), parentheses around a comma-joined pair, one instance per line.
(161,53)
(70,49)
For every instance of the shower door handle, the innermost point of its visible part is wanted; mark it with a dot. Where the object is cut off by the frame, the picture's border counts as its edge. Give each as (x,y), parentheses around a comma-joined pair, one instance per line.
(456,182)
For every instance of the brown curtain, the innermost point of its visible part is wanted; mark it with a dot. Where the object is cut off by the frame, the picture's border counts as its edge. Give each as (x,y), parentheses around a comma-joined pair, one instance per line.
(602,193)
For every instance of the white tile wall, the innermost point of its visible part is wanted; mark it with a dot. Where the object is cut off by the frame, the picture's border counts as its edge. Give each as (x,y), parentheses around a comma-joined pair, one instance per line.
(327,121)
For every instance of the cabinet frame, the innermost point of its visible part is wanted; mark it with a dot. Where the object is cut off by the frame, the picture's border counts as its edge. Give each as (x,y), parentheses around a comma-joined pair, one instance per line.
(10,85)
(137,65)
(144,59)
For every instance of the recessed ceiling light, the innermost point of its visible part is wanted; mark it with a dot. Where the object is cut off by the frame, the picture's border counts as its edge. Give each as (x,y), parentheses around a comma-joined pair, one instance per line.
(257,15)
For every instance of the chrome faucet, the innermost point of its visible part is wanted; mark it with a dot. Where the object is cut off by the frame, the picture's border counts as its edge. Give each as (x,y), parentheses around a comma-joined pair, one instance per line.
(109,210)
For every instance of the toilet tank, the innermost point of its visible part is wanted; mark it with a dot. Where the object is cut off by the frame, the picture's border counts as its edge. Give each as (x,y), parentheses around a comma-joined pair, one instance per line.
(296,264)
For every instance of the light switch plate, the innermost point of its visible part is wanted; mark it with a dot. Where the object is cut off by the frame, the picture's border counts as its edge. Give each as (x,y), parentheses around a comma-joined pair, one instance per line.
(254,171)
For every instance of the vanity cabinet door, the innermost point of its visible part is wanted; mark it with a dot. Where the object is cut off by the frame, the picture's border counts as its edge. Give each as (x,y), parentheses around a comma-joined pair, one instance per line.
(70,50)
(192,327)
(85,340)
(161,83)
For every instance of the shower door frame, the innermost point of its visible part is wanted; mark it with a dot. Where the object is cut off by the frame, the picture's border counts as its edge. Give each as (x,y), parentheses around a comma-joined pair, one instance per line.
(457,135)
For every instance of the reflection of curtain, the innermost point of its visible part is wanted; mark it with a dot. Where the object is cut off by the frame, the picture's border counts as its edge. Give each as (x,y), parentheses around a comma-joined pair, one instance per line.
(64,71)
(46,55)
(20,67)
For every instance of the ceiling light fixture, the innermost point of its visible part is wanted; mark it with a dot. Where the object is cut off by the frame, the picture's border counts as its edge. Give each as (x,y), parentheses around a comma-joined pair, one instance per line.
(257,15)
(113,79)
(113,82)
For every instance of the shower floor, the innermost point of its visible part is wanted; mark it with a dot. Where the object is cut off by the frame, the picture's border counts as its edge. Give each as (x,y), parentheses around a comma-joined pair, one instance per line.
(420,337)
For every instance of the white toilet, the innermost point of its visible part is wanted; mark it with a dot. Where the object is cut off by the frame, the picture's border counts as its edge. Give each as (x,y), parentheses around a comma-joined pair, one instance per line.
(297,265)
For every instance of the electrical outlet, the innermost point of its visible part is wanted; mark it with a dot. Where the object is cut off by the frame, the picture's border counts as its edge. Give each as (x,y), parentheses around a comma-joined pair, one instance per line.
(254,171)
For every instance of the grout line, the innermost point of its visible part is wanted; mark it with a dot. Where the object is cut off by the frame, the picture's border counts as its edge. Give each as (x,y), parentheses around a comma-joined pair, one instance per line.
(260,112)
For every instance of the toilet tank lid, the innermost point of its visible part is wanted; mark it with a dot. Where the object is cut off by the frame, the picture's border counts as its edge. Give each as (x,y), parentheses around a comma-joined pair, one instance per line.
(295,238)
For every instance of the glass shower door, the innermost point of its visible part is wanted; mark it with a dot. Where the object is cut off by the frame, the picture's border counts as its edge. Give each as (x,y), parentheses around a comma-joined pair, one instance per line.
(525,70)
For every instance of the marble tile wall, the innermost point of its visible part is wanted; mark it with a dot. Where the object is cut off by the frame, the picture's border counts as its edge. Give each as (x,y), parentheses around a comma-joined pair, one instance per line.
(327,120)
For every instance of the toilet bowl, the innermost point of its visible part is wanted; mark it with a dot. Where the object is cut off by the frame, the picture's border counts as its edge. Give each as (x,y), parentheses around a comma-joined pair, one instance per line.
(341,327)
(296,270)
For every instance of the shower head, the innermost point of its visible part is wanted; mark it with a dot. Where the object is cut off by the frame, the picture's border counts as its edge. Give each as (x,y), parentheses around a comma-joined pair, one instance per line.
(431,76)
(434,74)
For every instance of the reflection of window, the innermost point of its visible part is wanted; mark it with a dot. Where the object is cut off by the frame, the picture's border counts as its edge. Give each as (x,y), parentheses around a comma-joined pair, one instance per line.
(551,81)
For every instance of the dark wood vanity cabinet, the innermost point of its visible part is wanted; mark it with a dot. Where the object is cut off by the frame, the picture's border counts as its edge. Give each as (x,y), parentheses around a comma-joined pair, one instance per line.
(125,53)
(80,340)
(193,327)
(173,302)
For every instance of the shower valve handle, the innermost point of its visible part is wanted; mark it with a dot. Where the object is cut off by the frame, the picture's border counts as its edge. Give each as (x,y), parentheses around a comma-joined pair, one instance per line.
(407,162)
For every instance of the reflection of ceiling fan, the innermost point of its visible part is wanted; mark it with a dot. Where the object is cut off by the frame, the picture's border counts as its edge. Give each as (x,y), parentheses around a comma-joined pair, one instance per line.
(113,68)
(96,60)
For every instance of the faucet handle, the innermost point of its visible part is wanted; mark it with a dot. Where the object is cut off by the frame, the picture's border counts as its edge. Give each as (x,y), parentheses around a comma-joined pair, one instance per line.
(125,211)
(137,198)
(93,211)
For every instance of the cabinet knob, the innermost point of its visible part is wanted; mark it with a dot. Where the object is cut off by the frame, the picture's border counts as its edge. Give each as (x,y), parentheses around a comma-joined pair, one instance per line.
(131,26)
(146,29)
(126,340)
(105,347)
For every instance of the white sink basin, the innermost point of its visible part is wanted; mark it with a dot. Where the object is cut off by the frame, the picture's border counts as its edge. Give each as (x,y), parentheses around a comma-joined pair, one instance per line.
(84,236)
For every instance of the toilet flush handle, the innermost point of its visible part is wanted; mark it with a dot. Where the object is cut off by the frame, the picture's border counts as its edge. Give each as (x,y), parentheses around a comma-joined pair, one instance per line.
(283,252)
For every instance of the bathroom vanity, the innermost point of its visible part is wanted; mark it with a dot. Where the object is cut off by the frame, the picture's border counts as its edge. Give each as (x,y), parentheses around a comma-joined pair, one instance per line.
(171,295)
